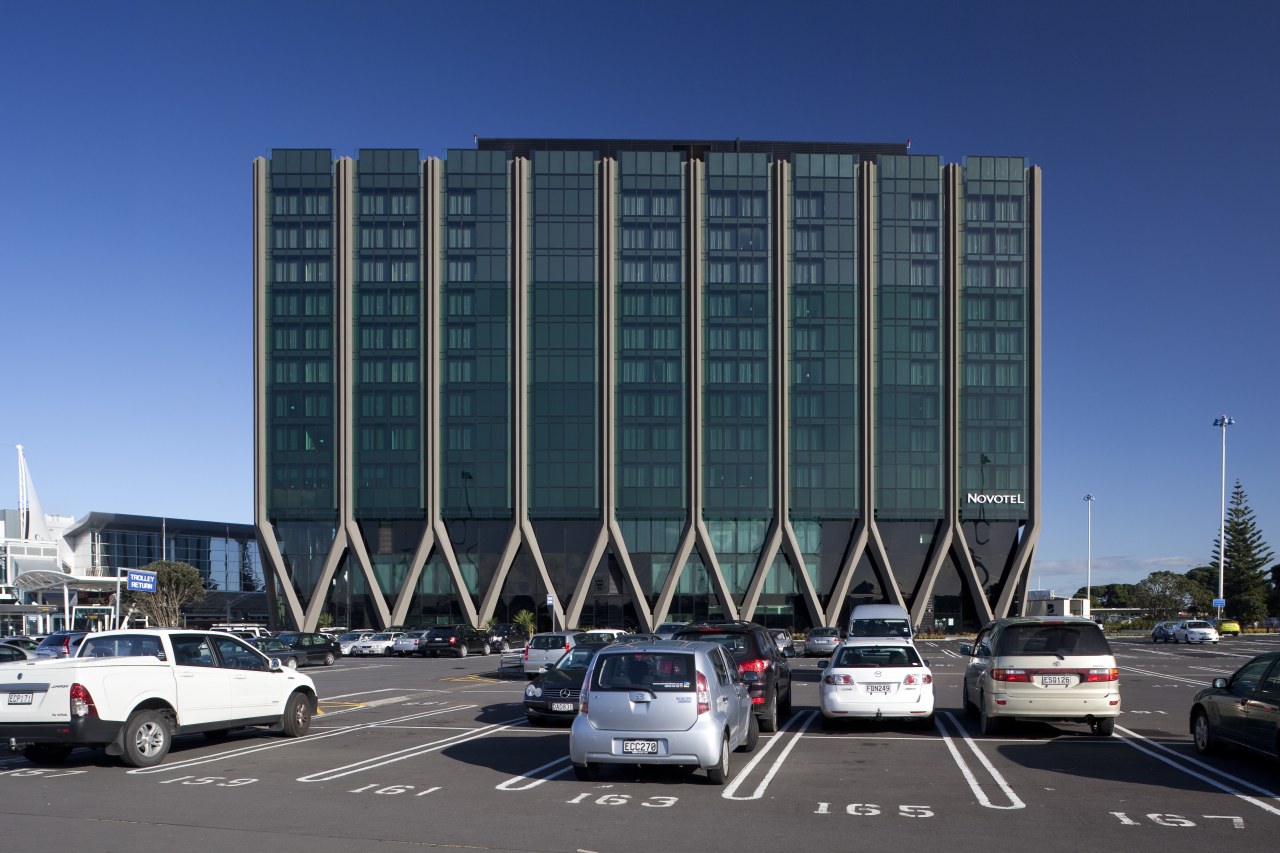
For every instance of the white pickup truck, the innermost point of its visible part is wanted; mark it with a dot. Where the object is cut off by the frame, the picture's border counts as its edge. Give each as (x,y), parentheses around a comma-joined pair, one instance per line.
(132,691)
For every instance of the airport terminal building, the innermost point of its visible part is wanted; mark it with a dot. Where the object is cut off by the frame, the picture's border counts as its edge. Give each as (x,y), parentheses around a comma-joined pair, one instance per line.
(617,382)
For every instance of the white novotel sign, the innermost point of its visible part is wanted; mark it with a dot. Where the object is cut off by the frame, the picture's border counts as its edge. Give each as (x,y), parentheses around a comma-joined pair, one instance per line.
(976,498)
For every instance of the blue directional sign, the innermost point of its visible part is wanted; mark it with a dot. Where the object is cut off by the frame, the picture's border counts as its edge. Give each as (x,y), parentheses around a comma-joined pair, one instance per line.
(141,581)
(1219,602)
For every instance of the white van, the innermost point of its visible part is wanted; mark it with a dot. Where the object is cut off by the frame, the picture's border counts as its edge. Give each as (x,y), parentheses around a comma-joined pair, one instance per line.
(880,620)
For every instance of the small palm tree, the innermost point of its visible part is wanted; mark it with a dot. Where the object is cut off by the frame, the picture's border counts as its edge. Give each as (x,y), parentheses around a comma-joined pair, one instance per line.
(527,621)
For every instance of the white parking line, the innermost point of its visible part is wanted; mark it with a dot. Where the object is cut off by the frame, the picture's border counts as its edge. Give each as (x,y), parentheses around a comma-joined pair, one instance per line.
(974,785)
(1170,676)
(773,769)
(1182,760)
(280,744)
(532,780)
(405,754)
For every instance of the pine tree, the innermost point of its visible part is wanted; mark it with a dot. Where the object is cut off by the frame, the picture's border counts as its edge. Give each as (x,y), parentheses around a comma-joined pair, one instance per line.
(1247,555)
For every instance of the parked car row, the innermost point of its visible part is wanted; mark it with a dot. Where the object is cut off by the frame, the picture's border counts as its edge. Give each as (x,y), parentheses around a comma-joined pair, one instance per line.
(1189,631)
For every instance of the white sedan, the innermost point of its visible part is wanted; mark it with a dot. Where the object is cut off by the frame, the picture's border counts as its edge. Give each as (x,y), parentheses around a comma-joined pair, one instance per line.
(1195,631)
(378,644)
(874,679)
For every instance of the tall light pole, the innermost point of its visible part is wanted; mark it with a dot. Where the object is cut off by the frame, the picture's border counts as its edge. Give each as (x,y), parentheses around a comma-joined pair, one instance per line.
(1088,572)
(1222,423)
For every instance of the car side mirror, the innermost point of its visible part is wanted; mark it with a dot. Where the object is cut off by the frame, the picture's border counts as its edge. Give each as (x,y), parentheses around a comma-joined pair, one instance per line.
(1220,683)
(966,650)
(275,665)
(822,664)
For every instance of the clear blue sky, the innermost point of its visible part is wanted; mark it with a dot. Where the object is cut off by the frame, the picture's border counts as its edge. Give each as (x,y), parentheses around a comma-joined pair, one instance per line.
(129,130)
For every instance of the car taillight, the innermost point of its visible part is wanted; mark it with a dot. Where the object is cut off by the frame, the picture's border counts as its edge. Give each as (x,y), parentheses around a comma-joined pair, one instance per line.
(81,702)
(526,652)
(1020,675)
(837,679)
(760,665)
(453,640)
(566,645)
(582,700)
(918,679)
(1099,675)
(704,695)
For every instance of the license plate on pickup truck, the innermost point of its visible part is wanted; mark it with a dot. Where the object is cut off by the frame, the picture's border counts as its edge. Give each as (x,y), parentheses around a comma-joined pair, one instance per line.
(19,698)
(640,747)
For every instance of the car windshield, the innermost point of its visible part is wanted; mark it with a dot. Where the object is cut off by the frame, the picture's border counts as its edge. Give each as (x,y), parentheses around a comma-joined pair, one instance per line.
(1199,625)
(1053,639)
(553,641)
(881,628)
(735,644)
(579,658)
(659,672)
(859,657)
(824,632)
(382,637)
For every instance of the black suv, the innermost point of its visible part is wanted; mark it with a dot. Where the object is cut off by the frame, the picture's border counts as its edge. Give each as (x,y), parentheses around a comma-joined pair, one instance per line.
(760,662)
(460,640)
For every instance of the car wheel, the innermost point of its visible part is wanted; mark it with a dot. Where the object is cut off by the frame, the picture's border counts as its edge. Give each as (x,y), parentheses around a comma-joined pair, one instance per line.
(296,721)
(485,650)
(1103,726)
(719,774)
(505,647)
(147,738)
(292,663)
(1202,733)
(753,735)
(988,724)
(329,659)
(46,753)
(462,650)
(586,772)
(386,653)
(769,723)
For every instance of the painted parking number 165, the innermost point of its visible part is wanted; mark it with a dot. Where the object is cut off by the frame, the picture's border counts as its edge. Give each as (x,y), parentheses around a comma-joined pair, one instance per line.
(871,809)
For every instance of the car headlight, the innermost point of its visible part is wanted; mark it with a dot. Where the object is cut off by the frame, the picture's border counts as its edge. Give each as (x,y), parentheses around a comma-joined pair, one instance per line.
(533,691)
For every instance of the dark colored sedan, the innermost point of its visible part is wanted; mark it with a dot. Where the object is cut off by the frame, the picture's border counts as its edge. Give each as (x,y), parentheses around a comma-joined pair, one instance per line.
(506,636)
(313,648)
(458,640)
(1243,710)
(553,695)
(275,648)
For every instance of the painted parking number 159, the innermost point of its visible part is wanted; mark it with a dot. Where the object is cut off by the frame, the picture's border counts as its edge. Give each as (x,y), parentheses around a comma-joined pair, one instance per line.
(871,809)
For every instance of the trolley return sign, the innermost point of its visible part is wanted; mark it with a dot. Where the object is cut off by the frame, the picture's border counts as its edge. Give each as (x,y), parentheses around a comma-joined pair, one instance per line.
(141,581)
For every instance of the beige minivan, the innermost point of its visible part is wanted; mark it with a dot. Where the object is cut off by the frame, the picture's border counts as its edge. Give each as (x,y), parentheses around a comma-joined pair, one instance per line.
(1053,668)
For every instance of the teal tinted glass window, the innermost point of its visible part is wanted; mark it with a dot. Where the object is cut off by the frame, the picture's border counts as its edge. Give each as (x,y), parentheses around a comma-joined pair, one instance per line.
(995,305)
(910,336)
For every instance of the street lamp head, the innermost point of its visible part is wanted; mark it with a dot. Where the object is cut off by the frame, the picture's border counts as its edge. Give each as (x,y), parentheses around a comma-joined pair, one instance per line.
(1089,498)
(1224,421)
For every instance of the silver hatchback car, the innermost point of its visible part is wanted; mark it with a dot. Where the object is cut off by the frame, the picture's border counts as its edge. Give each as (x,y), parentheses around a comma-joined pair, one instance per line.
(662,702)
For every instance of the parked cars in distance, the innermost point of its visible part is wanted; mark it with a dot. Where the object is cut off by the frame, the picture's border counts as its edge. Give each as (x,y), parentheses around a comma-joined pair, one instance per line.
(667,702)
(782,637)
(604,635)
(349,639)
(821,642)
(876,678)
(458,640)
(879,620)
(766,671)
(411,643)
(314,647)
(1226,627)
(667,630)
(1243,710)
(505,636)
(1055,668)
(545,648)
(274,648)
(1162,632)
(10,653)
(25,643)
(60,644)
(553,694)
(1195,631)
(378,644)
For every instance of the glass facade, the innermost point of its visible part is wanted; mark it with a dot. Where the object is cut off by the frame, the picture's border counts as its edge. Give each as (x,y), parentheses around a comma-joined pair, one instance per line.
(526,333)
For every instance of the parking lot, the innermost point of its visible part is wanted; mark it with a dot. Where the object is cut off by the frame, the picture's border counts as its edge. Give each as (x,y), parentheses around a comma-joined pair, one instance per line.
(435,753)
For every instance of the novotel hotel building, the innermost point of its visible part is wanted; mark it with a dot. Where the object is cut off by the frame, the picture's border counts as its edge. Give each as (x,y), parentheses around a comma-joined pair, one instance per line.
(619,382)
